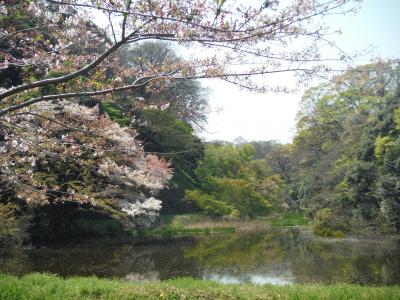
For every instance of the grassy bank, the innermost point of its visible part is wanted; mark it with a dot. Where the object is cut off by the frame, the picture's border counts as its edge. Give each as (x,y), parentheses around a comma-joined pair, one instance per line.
(288,220)
(200,221)
(187,225)
(170,231)
(43,286)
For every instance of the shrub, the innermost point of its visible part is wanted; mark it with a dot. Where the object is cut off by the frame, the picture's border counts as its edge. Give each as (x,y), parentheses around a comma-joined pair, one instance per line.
(326,224)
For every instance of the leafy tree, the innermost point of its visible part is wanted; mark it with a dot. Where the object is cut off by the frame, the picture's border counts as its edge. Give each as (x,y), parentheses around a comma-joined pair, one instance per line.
(263,148)
(281,161)
(231,182)
(185,99)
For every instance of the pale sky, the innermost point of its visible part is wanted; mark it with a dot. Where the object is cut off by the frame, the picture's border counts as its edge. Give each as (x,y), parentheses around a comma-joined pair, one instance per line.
(272,117)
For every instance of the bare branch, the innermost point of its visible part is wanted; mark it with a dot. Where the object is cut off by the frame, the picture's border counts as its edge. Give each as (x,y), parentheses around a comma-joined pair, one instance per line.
(128,6)
(112,27)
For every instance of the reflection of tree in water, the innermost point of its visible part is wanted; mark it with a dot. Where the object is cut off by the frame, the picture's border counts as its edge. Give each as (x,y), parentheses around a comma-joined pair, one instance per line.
(289,254)
(14,260)
(352,261)
(138,262)
(297,252)
(237,252)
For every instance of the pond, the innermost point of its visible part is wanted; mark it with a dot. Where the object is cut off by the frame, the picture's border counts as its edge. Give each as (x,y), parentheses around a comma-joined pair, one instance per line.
(278,256)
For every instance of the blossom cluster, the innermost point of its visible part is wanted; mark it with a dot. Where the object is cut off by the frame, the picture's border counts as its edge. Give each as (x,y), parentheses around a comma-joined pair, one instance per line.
(144,212)
(51,134)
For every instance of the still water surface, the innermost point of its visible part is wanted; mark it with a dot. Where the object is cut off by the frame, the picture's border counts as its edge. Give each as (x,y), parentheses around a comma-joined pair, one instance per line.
(281,256)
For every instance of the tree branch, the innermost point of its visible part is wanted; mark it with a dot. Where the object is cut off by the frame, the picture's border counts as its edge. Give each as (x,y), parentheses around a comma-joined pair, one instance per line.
(112,28)
(79,72)
(128,6)
(68,77)
(136,83)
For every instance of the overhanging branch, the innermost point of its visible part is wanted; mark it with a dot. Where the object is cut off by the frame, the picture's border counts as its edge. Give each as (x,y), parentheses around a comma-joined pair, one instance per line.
(138,82)
(132,37)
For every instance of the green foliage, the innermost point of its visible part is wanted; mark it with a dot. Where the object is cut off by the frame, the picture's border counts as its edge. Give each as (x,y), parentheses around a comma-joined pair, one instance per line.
(163,133)
(345,155)
(227,161)
(382,145)
(361,178)
(209,204)
(231,182)
(397,118)
(263,148)
(388,185)
(116,114)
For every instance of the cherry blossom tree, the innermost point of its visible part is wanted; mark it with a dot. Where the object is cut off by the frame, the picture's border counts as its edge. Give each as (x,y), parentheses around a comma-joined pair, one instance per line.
(97,163)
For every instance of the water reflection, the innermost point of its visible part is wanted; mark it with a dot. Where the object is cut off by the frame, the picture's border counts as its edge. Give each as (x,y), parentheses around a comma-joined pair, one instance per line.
(278,257)
(276,279)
